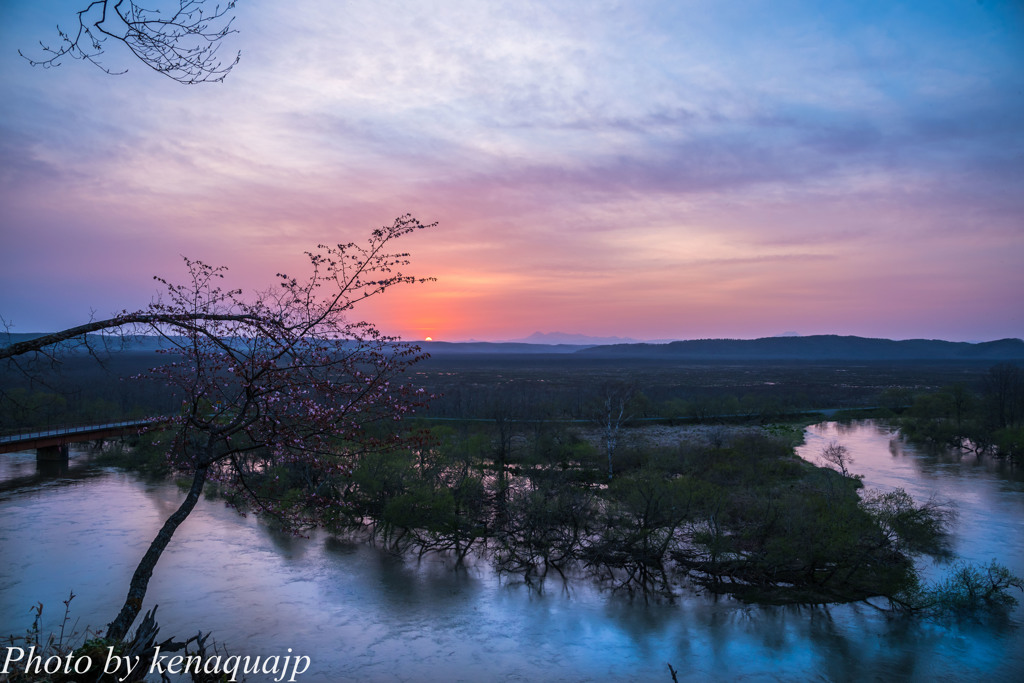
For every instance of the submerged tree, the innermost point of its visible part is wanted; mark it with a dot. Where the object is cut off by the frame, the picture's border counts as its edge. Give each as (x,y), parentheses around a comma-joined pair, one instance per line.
(177,38)
(279,384)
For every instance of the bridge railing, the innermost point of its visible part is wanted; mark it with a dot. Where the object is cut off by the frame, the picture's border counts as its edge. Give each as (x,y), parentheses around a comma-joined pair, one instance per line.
(72,428)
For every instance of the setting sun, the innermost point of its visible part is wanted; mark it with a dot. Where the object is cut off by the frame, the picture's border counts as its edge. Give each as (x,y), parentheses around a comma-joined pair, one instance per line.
(428,339)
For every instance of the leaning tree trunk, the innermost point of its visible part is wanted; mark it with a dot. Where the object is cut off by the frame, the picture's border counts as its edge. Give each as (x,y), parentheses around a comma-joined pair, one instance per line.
(118,628)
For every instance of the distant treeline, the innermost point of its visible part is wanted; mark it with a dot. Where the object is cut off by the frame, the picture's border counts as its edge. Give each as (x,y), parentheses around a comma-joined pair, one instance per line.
(80,389)
(574,387)
(503,387)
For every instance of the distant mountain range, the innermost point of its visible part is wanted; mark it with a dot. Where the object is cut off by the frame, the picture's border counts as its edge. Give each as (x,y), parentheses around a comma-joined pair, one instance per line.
(814,347)
(576,339)
(790,348)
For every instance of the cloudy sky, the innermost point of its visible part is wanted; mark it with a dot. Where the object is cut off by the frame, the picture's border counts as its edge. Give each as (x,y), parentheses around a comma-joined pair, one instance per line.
(643,168)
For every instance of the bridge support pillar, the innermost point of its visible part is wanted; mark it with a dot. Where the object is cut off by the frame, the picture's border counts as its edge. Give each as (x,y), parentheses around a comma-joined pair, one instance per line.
(52,453)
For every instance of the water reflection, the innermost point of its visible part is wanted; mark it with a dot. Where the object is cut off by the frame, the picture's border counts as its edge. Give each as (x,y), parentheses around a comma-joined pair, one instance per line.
(366,615)
(988,494)
(22,470)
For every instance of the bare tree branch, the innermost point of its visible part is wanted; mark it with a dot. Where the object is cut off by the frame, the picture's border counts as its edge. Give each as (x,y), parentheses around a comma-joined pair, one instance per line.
(181,43)
(183,321)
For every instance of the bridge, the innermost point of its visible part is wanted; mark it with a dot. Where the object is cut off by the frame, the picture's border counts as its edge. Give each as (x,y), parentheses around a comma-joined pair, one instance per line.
(51,444)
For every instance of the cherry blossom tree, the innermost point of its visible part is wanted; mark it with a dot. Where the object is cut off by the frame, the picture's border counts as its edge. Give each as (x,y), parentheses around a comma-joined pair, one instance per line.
(278,382)
(281,381)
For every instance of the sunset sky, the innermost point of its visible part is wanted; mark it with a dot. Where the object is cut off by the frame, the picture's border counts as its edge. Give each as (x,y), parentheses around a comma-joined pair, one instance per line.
(649,169)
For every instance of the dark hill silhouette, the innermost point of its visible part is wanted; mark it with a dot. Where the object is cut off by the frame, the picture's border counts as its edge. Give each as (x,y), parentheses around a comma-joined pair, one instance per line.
(827,347)
(815,347)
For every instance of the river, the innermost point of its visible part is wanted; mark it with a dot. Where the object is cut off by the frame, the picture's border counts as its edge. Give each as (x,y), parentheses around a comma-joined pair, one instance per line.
(363,615)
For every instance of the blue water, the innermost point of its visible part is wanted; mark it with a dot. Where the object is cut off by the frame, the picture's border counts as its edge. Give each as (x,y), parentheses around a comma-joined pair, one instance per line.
(364,615)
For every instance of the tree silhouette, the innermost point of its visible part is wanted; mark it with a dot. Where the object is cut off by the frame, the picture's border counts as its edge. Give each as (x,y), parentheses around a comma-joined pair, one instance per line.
(280,382)
(837,456)
(181,43)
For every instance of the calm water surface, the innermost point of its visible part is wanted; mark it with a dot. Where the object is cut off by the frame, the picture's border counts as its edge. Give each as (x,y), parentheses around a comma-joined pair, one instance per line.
(363,615)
